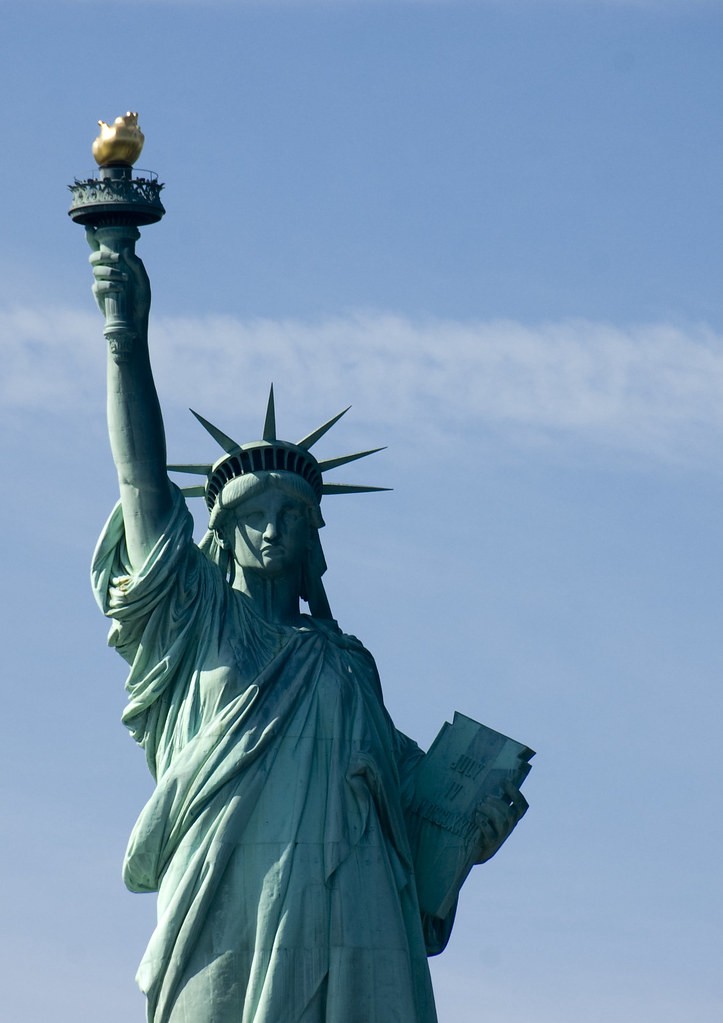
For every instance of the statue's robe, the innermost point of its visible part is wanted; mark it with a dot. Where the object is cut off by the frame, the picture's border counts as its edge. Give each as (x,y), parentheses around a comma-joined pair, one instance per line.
(275,836)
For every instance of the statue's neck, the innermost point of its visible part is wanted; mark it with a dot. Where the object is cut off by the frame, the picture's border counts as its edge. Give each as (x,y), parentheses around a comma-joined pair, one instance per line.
(275,599)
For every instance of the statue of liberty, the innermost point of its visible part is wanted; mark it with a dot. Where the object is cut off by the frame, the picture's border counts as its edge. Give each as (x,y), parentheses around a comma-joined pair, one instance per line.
(278,834)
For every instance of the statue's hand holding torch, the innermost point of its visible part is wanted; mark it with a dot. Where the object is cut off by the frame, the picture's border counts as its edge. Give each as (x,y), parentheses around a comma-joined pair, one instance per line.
(122,290)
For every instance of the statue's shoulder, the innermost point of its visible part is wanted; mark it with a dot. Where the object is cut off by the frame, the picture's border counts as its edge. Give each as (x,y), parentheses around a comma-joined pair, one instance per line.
(329,628)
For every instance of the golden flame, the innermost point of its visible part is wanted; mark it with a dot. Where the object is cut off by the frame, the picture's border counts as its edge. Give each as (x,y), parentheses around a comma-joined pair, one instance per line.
(120,142)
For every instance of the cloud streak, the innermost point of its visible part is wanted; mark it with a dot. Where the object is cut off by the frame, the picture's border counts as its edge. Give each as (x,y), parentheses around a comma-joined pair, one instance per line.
(653,390)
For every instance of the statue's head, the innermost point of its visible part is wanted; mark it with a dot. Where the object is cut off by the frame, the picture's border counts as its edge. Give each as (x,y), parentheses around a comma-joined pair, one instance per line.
(261,490)
(267,524)
(264,504)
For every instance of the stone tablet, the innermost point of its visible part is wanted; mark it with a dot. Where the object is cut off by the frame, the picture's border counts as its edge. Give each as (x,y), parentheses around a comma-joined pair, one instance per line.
(466,763)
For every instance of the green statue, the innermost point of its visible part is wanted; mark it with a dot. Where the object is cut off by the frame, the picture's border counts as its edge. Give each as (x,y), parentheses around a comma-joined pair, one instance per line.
(281,836)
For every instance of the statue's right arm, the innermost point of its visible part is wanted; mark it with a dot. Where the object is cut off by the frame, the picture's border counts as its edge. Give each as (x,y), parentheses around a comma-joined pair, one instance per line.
(135,424)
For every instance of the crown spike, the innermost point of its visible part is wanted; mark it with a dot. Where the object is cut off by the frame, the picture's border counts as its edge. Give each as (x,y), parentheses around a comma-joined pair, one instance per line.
(197,470)
(311,438)
(332,463)
(270,453)
(269,433)
(346,488)
(228,445)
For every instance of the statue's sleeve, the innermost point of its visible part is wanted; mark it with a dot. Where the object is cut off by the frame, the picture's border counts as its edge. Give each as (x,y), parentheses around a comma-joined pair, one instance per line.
(130,598)
(409,756)
(164,616)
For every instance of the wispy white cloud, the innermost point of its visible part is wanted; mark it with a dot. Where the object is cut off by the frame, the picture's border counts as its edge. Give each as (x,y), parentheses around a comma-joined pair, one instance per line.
(651,389)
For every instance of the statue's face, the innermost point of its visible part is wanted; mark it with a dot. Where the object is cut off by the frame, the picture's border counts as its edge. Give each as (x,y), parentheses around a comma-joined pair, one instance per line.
(271,534)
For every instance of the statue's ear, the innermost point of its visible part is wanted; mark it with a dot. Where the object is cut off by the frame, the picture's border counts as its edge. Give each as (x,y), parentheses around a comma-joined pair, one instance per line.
(222,540)
(222,527)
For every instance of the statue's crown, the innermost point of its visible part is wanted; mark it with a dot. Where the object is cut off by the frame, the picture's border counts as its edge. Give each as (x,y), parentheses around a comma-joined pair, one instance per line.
(270,454)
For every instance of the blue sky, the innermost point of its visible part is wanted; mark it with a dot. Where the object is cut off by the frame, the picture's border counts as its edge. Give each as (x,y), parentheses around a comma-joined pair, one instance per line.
(494,229)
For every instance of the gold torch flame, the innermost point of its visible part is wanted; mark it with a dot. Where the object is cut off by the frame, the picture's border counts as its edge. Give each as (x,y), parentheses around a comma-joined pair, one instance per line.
(120,142)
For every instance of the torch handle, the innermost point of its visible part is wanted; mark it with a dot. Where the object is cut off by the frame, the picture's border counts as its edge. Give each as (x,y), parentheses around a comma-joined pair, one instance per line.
(119,330)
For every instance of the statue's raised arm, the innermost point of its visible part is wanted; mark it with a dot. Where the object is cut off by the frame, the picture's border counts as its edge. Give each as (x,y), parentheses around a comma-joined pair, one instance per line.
(135,424)
(112,207)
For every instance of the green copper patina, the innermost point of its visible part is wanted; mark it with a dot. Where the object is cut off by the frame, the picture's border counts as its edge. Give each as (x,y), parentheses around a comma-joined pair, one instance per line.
(285,836)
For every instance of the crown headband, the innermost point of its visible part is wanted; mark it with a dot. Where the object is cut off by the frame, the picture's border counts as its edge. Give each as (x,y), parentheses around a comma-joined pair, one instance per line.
(268,455)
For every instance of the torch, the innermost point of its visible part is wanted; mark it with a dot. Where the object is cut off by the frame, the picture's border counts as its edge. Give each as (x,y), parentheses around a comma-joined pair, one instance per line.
(113,206)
